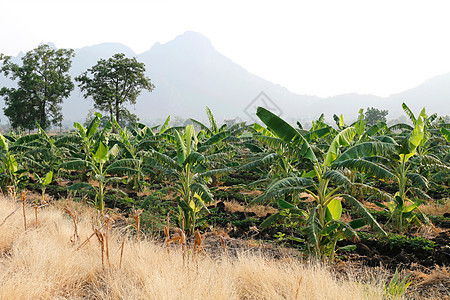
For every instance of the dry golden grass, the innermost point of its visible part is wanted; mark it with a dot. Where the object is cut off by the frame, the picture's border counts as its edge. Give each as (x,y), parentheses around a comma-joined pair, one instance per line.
(435,209)
(43,263)
(259,210)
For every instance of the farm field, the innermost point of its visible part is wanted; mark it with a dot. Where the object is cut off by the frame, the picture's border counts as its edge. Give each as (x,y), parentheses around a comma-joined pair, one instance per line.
(233,211)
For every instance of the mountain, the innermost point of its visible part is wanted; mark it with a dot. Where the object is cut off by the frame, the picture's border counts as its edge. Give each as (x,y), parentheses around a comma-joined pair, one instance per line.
(189,74)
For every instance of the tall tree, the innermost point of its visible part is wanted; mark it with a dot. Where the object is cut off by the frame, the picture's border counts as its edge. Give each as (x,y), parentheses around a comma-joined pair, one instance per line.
(42,84)
(113,82)
(374,115)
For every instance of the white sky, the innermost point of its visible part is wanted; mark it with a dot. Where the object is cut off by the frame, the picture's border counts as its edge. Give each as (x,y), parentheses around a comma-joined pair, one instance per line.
(311,47)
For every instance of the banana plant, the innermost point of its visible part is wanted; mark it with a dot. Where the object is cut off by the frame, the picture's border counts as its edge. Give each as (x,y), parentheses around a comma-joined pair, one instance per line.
(446,133)
(85,140)
(429,160)
(323,226)
(390,160)
(213,129)
(340,123)
(281,157)
(10,172)
(134,146)
(426,126)
(45,152)
(97,165)
(44,182)
(189,168)
(218,141)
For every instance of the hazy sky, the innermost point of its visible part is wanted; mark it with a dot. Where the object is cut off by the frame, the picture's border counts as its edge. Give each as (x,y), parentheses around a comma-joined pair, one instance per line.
(311,47)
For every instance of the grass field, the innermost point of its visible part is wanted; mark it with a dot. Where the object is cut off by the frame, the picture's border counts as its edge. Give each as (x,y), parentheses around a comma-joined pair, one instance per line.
(43,263)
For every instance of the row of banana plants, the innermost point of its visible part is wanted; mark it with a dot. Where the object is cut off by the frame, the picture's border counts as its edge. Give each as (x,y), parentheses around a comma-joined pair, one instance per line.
(330,164)
(324,162)
(191,159)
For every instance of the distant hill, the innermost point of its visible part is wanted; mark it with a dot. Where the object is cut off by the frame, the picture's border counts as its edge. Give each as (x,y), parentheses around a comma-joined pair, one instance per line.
(189,74)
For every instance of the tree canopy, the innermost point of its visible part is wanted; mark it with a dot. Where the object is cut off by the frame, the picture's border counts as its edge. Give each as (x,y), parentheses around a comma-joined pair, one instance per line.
(374,115)
(113,82)
(42,84)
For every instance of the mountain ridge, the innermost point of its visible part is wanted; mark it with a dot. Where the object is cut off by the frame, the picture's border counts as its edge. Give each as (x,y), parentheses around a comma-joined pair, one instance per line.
(189,74)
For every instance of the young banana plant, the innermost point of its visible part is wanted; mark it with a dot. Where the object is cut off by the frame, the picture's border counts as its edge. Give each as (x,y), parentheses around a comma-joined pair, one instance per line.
(323,225)
(11,174)
(85,140)
(189,168)
(44,182)
(97,165)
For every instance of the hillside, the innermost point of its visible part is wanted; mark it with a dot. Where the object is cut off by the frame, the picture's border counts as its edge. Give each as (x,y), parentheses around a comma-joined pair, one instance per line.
(189,74)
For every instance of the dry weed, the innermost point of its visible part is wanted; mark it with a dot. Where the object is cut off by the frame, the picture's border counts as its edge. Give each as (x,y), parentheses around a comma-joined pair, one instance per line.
(435,209)
(42,263)
(431,284)
(259,210)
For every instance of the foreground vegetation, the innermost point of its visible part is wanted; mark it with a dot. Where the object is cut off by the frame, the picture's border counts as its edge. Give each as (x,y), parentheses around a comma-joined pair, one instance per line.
(43,263)
(347,195)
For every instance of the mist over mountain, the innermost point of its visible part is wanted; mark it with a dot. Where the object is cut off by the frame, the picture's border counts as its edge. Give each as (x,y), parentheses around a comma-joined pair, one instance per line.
(189,74)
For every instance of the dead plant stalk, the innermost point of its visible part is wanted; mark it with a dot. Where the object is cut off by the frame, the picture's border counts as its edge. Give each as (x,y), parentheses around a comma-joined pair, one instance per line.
(76,237)
(23,198)
(136,215)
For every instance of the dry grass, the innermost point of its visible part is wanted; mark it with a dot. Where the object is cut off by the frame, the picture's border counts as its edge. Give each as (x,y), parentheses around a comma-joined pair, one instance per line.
(433,284)
(43,263)
(259,210)
(435,209)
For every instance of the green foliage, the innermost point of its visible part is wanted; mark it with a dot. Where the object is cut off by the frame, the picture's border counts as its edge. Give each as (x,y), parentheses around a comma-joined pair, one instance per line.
(42,84)
(190,169)
(397,287)
(402,214)
(323,227)
(396,241)
(96,164)
(374,115)
(446,133)
(11,172)
(42,152)
(389,159)
(114,82)
(286,133)
(44,182)
(307,174)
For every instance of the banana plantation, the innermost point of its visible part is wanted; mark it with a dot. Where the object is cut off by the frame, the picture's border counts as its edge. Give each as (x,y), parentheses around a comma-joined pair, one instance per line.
(376,194)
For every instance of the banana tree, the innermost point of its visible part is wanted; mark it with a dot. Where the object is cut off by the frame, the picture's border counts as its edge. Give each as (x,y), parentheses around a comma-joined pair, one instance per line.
(323,225)
(134,146)
(390,160)
(83,143)
(45,152)
(430,153)
(97,165)
(205,130)
(281,157)
(44,182)
(446,133)
(426,128)
(11,174)
(218,141)
(189,168)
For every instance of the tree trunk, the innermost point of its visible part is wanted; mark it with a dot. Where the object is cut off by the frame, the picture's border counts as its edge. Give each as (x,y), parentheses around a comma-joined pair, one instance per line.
(42,116)
(111,116)
(117,111)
